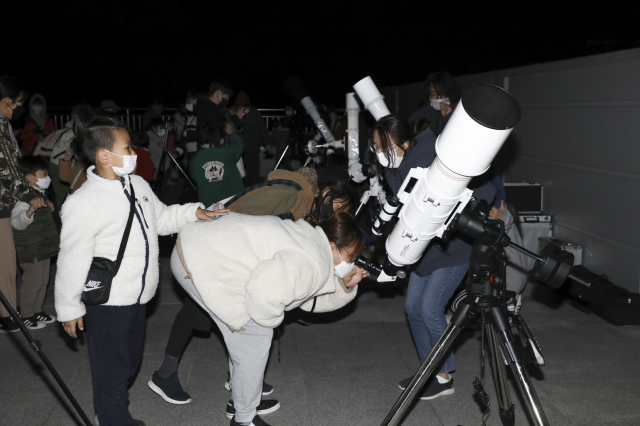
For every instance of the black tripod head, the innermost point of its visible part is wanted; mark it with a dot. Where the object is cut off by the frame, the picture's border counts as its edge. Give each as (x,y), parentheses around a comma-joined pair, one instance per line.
(552,266)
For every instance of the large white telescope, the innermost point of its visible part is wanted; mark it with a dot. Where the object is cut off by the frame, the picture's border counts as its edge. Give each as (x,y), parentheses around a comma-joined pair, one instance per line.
(431,197)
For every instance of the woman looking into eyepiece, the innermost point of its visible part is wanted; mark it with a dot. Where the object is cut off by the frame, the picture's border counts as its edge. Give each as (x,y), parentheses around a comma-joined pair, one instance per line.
(400,147)
(265,267)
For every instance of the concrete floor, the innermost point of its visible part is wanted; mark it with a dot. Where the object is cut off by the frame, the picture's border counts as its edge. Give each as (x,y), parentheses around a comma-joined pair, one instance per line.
(340,370)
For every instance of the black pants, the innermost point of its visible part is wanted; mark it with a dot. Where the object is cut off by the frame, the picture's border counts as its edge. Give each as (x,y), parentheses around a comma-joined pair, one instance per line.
(251,161)
(116,338)
(190,317)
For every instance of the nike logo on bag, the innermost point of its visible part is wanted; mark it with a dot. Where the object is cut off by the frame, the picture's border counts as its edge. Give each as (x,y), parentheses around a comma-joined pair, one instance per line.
(92,285)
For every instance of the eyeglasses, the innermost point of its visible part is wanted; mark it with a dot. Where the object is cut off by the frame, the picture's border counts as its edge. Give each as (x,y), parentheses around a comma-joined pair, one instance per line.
(375,149)
(350,255)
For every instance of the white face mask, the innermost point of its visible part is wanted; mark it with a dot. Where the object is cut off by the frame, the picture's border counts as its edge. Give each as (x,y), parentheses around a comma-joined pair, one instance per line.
(162,132)
(44,182)
(37,109)
(128,164)
(395,160)
(435,103)
(343,268)
(189,107)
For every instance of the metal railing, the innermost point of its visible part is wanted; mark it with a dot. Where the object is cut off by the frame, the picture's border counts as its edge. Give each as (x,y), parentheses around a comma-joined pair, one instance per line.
(132,117)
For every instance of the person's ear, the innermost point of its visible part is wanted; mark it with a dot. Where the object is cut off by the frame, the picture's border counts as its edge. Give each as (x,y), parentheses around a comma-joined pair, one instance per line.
(405,146)
(333,245)
(102,157)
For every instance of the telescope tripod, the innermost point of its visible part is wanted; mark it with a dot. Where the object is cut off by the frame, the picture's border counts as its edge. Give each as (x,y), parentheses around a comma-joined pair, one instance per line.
(486,298)
(503,349)
(159,180)
(37,348)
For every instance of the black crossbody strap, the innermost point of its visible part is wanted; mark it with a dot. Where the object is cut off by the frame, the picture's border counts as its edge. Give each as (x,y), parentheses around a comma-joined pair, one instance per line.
(127,230)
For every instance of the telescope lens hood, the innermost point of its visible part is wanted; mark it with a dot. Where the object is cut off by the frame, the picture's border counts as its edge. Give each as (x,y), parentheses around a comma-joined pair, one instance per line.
(491,106)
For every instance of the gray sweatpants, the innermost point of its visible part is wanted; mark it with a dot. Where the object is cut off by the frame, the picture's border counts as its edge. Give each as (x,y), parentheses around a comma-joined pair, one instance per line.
(248,351)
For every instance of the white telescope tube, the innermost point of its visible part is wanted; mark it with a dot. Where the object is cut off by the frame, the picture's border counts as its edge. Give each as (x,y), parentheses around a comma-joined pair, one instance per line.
(353,139)
(480,124)
(312,110)
(371,98)
(353,114)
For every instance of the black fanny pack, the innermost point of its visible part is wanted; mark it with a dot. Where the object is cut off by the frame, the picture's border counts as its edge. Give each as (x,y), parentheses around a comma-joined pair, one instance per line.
(97,287)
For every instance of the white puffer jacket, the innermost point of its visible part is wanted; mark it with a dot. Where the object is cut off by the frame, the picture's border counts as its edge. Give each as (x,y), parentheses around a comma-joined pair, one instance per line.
(93,221)
(258,267)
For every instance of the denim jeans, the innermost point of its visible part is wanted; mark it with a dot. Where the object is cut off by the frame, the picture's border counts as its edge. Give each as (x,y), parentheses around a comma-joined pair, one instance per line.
(426,299)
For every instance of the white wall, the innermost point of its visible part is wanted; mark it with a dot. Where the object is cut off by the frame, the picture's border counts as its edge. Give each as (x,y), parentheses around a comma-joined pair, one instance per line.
(580,137)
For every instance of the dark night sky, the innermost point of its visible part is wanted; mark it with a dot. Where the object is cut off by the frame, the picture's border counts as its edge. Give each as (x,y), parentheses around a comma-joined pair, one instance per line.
(133,51)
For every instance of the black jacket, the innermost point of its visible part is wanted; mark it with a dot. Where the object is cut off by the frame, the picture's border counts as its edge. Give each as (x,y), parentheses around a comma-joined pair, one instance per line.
(438,254)
(434,117)
(208,112)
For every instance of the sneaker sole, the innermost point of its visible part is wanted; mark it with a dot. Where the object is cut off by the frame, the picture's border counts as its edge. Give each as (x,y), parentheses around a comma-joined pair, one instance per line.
(227,387)
(164,396)
(258,412)
(9,331)
(36,327)
(443,393)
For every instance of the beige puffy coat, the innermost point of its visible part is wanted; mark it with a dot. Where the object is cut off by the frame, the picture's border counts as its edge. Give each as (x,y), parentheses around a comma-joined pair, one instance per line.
(258,267)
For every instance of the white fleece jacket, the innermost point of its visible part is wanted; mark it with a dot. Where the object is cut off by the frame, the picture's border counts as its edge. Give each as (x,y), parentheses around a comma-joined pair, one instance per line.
(93,222)
(258,267)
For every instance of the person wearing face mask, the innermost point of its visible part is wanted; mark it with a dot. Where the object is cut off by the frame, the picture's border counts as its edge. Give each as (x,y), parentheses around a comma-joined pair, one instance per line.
(212,108)
(185,117)
(36,238)
(440,95)
(287,195)
(94,219)
(13,188)
(37,125)
(399,148)
(265,268)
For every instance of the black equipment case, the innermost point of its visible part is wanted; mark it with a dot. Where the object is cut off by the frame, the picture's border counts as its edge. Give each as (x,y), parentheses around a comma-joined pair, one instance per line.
(612,303)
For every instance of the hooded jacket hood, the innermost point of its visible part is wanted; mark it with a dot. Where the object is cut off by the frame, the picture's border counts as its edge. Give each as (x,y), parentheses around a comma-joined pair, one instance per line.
(38,118)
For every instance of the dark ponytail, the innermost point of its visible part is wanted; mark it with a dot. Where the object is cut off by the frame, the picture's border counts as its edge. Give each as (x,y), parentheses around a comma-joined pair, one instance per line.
(94,132)
(341,229)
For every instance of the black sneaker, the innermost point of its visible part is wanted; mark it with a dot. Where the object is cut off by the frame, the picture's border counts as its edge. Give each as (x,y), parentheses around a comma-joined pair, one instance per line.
(8,326)
(267,389)
(32,323)
(43,317)
(432,390)
(405,382)
(169,389)
(257,421)
(266,406)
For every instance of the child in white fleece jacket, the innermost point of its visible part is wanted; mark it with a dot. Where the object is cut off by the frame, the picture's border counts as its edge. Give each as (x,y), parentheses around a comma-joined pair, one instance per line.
(93,222)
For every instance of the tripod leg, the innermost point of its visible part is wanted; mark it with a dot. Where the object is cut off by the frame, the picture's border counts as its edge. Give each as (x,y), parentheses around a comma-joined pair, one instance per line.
(37,348)
(512,356)
(500,380)
(181,169)
(460,318)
